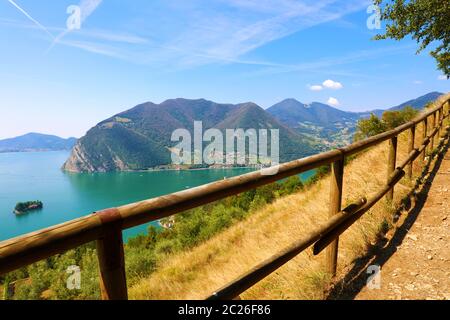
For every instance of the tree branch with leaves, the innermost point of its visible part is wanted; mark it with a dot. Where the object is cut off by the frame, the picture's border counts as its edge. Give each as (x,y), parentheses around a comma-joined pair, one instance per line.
(426,21)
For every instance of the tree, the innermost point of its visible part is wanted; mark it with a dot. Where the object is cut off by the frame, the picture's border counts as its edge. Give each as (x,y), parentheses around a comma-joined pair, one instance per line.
(427,21)
(409,113)
(369,127)
(392,119)
(389,120)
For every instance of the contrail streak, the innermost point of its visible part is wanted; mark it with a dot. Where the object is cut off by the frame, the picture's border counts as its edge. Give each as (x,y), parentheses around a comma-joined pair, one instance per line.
(31,18)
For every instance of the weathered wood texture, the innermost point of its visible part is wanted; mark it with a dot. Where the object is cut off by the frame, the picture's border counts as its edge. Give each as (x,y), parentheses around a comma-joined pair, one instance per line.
(113,282)
(337,175)
(424,136)
(392,161)
(412,138)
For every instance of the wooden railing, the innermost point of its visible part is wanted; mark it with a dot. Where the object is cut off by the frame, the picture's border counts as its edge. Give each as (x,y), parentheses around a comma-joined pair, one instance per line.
(106,226)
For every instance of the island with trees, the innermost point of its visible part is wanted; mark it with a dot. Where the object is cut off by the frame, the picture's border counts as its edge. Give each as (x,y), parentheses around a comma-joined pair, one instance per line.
(24,207)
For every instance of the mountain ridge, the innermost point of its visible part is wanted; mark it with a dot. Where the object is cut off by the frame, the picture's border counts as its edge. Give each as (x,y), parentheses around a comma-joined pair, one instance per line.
(33,141)
(334,126)
(139,138)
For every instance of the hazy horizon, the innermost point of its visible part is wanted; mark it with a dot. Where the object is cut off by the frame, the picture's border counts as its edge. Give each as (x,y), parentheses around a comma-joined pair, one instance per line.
(264,107)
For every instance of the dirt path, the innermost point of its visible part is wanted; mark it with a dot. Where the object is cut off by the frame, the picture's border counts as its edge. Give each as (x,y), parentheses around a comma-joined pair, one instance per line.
(419,267)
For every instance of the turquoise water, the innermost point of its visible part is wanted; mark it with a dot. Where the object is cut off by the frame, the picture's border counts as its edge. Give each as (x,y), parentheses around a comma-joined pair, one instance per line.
(66,196)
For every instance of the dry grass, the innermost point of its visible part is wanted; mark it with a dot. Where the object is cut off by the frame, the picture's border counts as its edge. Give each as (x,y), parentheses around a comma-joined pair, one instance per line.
(196,273)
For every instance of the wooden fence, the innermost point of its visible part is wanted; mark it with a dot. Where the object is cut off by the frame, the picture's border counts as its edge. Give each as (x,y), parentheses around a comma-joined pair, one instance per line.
(105,227)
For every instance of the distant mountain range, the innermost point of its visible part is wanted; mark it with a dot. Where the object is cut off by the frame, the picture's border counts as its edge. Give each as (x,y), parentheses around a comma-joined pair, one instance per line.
(420,102)
(139,138)
(36,142)
(333,126)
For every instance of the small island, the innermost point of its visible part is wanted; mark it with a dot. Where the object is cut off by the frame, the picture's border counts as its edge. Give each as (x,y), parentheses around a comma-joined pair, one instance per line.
(23,207)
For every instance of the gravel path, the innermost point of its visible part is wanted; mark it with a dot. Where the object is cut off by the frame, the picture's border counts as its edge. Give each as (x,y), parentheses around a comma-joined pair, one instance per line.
(418,264)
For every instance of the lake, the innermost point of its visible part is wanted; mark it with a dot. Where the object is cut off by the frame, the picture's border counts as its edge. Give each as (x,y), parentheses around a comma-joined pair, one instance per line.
(66,196)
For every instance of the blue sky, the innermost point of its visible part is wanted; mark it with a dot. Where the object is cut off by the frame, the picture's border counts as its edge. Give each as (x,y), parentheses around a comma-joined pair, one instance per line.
(128,52)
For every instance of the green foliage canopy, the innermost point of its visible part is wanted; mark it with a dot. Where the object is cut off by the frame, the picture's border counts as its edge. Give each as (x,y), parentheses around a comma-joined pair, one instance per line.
(427,21)
(372,126)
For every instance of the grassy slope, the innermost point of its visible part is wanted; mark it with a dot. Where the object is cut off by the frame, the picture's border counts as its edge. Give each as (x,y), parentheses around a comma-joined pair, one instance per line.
(198,272)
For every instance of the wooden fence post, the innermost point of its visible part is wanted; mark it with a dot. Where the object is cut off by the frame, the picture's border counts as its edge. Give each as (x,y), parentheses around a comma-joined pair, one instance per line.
(337,175)
(438,118)
(392,161)
(424,136)
(412,137)
(446,116)
(113,283)
(433,125)
(436,125)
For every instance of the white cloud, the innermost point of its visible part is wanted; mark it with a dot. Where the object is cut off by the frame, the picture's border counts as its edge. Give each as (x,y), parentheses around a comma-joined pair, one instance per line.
(333,102)
(442,77)
(417,82)
(327,84)
(315,88)
(330,84)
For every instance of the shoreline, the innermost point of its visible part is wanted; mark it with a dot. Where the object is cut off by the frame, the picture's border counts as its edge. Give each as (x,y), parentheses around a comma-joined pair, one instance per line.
(192,169)
(157,170)
(32,151)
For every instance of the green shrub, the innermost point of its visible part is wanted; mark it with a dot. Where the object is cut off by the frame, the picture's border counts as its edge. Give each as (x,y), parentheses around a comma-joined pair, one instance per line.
(366,128)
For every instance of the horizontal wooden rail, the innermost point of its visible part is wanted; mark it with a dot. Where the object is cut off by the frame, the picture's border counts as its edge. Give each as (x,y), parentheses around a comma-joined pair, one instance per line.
(339,228)
(106,226)
(32,247)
